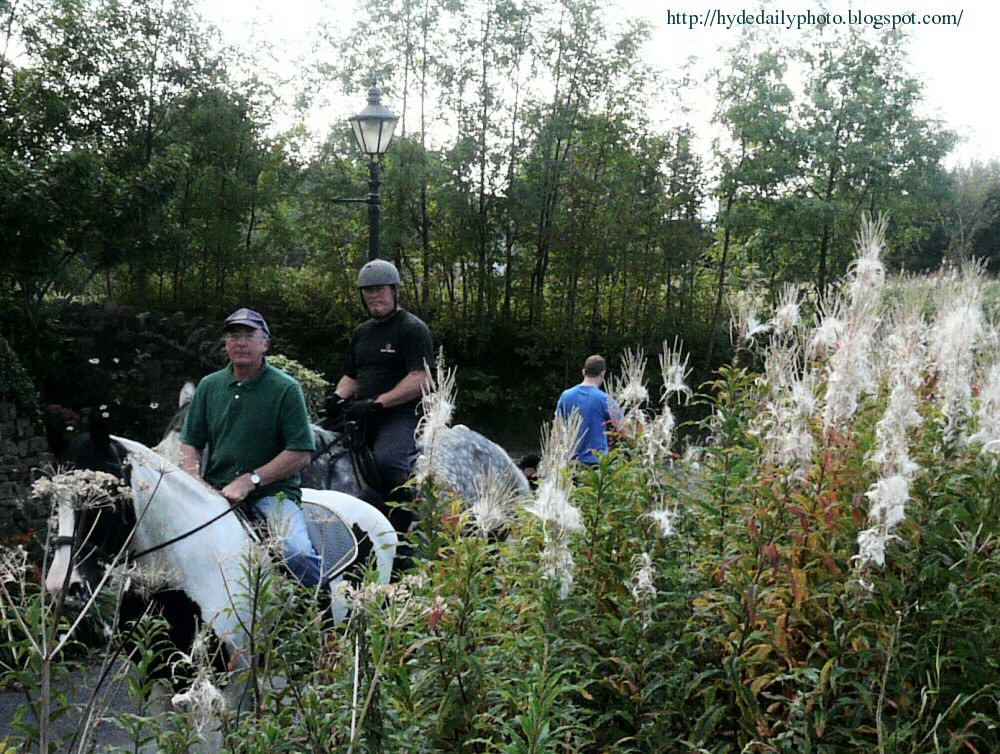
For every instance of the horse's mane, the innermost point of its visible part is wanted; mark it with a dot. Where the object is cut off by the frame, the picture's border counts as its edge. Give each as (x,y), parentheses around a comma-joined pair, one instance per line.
(155,467)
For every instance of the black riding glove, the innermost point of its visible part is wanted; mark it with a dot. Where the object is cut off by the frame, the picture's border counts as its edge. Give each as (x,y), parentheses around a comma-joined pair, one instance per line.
(360,410)
(334,407)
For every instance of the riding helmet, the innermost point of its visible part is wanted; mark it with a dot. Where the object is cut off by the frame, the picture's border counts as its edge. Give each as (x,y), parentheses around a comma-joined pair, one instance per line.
(378,272)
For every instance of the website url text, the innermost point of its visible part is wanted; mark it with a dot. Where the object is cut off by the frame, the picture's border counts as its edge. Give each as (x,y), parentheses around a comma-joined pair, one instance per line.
(716,18)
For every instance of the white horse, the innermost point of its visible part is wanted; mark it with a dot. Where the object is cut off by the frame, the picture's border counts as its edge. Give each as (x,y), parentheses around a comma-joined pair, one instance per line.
(184,531)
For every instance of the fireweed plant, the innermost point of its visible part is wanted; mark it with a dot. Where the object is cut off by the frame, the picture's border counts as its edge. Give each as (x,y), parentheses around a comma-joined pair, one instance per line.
(820,573)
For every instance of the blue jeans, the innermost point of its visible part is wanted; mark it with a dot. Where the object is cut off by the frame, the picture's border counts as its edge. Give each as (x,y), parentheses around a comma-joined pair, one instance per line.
(285,518)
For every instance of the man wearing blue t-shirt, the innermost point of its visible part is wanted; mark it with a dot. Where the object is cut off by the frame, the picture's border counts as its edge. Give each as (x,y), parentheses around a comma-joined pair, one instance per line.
(596,408)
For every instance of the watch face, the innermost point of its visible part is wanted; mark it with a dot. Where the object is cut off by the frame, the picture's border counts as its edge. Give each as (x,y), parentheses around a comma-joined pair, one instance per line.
(255,478)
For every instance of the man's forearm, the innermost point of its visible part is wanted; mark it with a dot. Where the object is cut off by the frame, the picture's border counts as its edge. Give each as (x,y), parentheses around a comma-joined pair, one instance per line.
(283,465)
(347,387)
(410,388)
(190,461)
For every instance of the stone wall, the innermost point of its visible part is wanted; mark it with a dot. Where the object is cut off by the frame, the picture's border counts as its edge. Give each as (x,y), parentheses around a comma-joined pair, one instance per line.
(134,363)
(118,360)
(23,452)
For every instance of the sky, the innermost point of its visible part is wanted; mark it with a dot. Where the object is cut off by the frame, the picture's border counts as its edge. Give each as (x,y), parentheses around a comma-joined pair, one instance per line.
(954,61)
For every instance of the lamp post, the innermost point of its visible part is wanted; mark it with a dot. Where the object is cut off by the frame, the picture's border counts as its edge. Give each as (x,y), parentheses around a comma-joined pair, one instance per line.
(373,128)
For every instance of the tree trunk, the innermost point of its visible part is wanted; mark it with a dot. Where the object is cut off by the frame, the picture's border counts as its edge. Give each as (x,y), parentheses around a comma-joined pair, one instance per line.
(720,290)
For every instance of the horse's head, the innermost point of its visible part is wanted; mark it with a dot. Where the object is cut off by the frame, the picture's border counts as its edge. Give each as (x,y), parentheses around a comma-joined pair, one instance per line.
(94,514)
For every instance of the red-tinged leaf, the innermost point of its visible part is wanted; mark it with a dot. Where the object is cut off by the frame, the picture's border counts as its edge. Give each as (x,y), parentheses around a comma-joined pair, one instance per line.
(801,516)
(770,551)
(751,601)
(830,563)
(859,516)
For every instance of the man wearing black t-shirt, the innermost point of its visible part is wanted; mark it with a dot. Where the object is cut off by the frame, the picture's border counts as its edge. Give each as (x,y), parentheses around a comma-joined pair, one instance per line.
(384,377)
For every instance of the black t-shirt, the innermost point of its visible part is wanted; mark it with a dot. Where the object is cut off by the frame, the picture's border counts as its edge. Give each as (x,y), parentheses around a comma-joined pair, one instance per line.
(383,352)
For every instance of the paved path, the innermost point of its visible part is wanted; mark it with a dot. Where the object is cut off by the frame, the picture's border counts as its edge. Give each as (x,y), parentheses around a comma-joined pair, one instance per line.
(112,700)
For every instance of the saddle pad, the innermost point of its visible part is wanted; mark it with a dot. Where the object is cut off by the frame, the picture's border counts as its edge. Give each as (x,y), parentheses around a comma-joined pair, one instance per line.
(332,538)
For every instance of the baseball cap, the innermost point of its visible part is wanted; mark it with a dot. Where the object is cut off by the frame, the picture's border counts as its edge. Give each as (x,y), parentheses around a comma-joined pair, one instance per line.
(248,318)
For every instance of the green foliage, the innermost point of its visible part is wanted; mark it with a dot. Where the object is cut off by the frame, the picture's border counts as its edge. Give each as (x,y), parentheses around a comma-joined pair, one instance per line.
(15,384)
(314,386)
(752,633)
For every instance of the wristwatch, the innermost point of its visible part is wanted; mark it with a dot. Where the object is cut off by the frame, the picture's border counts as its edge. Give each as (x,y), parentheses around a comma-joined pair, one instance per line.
(255,479)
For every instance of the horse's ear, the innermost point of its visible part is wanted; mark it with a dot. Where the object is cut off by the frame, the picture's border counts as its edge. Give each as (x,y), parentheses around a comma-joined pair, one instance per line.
(187,394)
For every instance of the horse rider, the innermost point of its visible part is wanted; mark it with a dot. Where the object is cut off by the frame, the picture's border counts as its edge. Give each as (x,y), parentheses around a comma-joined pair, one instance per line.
(383,382)
(595,408)
(253,418)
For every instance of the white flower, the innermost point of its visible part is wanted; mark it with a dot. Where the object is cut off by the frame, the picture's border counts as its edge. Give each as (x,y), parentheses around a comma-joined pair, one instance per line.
(675,371)
(988,412)
(744,326)
(154,405)
(495,495)
(438,405)
(891,454)
(642,587)
(889,496)
(951,350)
(557,564)
(80,488)
(867,272)
(665,519)
(786,316)
(787,413)
(888,510)
(850,373)
(95,361)
(629,390)
(203,701)
(826,337)
(13,564)
(871,546)
(657,439)
(551,505)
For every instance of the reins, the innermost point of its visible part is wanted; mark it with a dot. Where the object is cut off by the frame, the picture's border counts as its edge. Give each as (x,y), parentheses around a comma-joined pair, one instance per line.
(185,535)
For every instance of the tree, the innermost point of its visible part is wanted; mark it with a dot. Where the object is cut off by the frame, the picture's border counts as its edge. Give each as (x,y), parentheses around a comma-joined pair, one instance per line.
(755,106)
(867,148)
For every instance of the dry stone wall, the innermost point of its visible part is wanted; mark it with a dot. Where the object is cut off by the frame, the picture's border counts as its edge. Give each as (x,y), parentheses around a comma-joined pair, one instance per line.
(23,452)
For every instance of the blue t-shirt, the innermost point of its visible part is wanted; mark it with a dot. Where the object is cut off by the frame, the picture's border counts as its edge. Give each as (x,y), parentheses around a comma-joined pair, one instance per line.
(595,407)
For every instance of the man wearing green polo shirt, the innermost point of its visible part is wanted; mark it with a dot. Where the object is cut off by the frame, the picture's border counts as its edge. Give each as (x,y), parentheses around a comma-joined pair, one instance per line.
(253,418)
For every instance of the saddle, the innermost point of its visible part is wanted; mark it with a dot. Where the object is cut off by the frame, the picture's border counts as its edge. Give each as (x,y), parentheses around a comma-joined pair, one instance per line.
(333,539)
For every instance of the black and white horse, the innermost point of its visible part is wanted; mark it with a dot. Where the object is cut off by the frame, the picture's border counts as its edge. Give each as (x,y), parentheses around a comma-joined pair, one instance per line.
(186,534)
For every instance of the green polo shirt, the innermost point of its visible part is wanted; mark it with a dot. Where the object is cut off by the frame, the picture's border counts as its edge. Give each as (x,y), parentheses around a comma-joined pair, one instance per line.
(246,424)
